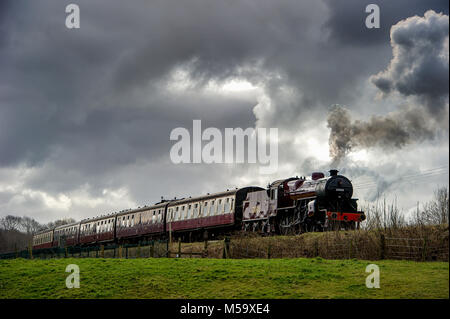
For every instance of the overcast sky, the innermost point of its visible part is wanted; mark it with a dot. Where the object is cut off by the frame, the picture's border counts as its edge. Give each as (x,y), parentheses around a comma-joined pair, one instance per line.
(86,114)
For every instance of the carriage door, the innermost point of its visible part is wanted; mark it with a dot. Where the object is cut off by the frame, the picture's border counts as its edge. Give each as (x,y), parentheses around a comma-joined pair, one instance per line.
(273,201)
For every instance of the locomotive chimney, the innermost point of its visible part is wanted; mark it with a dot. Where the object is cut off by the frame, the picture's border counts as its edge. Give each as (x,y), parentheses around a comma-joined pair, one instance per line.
(333,172)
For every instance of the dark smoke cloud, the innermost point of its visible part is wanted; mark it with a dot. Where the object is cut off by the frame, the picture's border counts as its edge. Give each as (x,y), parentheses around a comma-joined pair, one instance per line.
(393,131)
(419,69)
(420,63)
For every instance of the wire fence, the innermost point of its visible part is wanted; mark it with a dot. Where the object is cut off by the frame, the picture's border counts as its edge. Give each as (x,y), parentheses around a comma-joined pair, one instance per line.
(155,249)
(329,246)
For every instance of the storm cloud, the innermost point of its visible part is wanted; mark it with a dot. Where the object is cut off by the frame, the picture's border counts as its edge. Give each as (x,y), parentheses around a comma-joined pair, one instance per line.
(420,63)
(86,114)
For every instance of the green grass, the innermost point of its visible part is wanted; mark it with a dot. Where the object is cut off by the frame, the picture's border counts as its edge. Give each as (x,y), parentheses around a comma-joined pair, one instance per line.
(219,278)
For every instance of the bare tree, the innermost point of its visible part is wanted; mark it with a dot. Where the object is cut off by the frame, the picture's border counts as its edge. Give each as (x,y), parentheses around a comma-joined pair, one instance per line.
(434,212)
(60,222)
(383,215)
(29,225)
(11,222)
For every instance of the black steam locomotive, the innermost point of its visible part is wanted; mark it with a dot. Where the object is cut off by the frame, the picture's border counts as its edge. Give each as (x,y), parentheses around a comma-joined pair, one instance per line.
(297,205)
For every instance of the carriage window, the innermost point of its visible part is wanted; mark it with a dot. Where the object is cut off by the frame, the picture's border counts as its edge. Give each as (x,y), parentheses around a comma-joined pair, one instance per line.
(212,209)
(227,206)
(205,209)
(219,207)
(195,210)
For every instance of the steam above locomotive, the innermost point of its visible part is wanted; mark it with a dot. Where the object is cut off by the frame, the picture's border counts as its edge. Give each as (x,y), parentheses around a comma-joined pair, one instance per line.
(287,206)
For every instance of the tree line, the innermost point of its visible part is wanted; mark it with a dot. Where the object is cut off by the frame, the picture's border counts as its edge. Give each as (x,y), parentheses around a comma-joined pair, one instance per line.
(17,232)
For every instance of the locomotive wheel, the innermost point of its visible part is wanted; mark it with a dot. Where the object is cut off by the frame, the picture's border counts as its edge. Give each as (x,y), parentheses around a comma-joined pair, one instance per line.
(285,228)
(304,227)
(297,229)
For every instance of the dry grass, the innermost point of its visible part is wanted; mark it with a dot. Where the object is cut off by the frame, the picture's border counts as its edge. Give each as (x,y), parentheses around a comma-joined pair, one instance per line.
(419,243)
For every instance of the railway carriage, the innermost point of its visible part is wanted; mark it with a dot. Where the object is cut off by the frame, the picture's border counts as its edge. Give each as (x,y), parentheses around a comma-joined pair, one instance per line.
(66,235)
(97,230)
(43,239)
(144,222)
(207,213)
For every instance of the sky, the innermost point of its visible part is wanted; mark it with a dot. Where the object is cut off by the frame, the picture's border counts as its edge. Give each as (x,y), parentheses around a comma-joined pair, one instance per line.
(86,114)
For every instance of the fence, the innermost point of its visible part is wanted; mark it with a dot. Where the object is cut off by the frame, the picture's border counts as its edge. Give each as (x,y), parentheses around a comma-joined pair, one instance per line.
(413,249)
(155,249)
(332,245)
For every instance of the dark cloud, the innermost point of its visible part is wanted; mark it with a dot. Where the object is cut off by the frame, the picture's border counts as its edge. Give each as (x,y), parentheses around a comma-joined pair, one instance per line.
(88,110)
(419,68)
(420,63)
(346,22)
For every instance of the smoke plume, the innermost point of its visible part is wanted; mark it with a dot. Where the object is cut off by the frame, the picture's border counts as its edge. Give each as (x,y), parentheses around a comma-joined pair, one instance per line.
(418,71)
(393,131)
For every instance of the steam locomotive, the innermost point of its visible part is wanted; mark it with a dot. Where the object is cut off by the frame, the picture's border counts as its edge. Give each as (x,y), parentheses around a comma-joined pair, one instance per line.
(288,206)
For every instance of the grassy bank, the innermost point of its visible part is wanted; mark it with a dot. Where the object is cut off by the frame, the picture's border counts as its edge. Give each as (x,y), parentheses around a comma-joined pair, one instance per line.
(419,243)
(217,278)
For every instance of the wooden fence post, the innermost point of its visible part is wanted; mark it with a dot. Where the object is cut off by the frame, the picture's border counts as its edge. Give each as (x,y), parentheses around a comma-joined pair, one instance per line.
(316,247)
(138,251)
(126,252)
(224,253)
(152,249)
(120,251)
(382,246)
(424,249)
(179,248)
(65,252)
(30,251)
(226,248)
(205,250)
(102,251)
(168,246)
(350,249)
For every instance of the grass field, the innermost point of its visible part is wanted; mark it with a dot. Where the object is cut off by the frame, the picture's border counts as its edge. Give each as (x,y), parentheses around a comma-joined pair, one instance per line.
(219,278)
